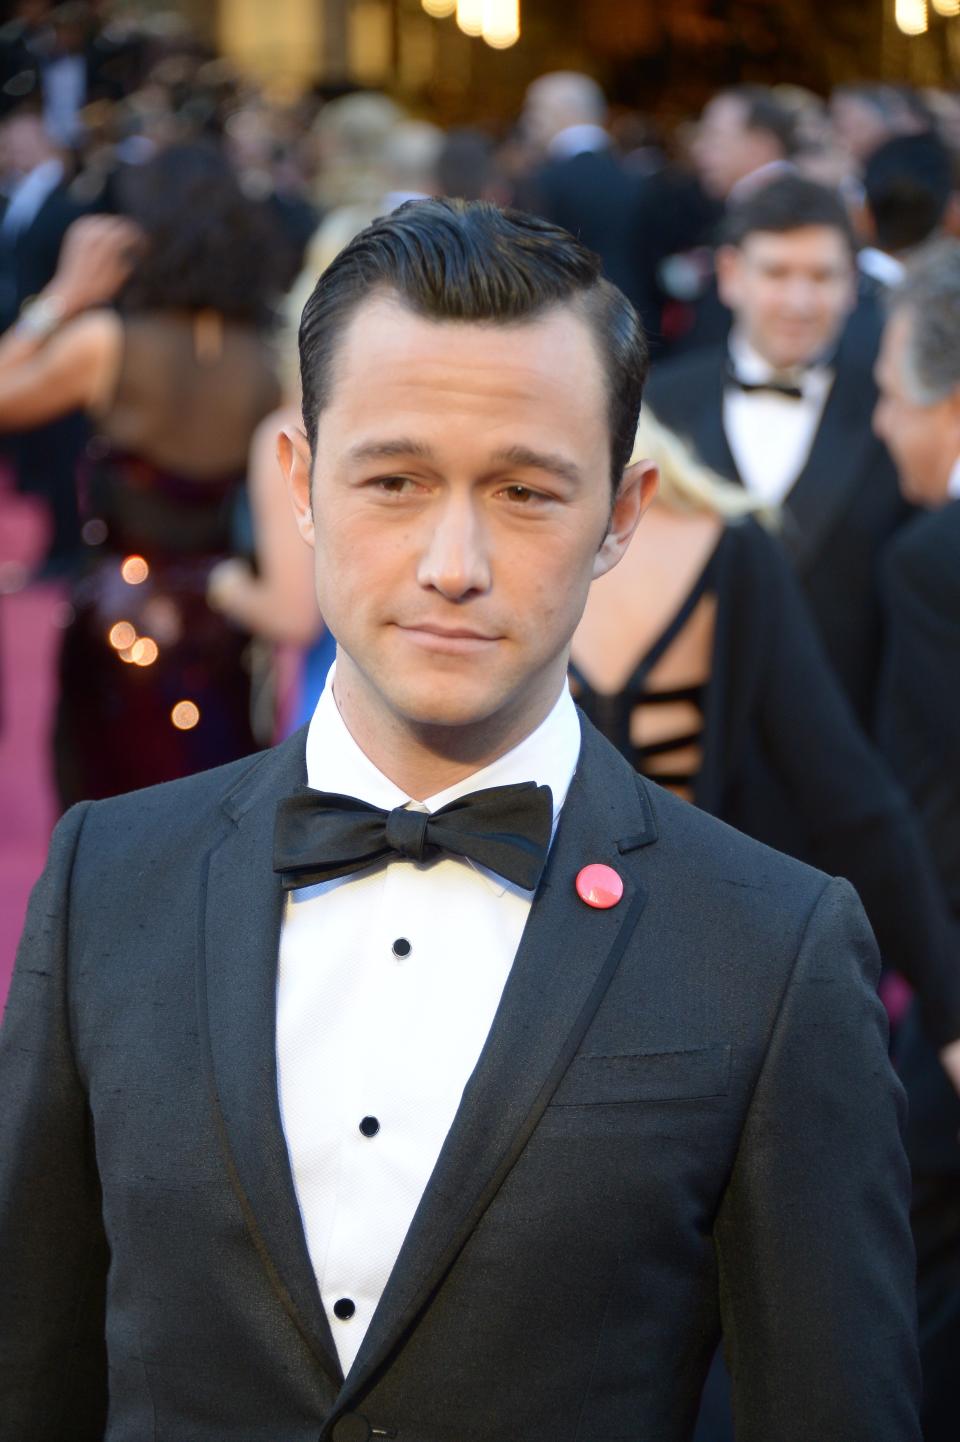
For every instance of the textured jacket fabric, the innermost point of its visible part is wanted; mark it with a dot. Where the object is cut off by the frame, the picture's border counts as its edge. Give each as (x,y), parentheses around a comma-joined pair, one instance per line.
(683,1120)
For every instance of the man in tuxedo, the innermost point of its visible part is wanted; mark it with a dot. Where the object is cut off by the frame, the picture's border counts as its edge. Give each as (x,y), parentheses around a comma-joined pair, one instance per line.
(918,415)
(582,185)
(434,1076)
(784,408)
(745,138)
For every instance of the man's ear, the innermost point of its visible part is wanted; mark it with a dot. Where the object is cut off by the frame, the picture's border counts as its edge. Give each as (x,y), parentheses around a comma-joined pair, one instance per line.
(636,490)
(728,263)
(293,453)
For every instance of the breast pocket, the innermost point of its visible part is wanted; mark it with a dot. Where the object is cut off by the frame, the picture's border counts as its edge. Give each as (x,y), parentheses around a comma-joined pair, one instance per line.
(663,1076)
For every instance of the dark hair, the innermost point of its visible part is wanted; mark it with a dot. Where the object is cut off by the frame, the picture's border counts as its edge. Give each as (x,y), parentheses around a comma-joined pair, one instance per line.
(788,203)
(908,182)
(763,111)
(208,246)
(470,261)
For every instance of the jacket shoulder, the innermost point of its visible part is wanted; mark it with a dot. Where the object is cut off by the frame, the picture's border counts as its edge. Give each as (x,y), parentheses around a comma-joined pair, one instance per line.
(694,853)
(924,556)
(671,380)
(179,814)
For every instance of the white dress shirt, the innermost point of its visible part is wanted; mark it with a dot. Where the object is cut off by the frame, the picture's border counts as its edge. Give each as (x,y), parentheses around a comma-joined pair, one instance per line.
(880,266)
(29,194)
(953,482)
(577,140)
(770,436)
(388,984)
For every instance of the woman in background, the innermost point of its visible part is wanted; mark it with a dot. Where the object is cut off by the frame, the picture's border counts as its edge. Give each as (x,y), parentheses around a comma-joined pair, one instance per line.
(696,657)
(153,683)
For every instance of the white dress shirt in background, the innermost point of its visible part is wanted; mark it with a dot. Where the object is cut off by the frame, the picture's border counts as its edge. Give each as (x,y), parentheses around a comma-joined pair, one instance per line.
(770,436)
(388,984)
(953,483)
(576,140)
(28,196)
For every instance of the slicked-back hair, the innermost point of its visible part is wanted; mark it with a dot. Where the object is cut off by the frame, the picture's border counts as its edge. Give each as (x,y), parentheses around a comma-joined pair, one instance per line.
(790,202)
(456,260)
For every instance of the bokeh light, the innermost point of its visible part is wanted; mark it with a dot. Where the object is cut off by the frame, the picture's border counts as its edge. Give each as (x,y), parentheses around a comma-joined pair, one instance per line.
(185,715)
(144,651)
(470,16)
(134,570)
(911,16)
(122,636)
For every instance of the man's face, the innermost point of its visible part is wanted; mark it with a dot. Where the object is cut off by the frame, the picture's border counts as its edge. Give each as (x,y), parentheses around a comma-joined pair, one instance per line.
(461,508)
(725,149)
(790,292)
(924,440)
(858,126)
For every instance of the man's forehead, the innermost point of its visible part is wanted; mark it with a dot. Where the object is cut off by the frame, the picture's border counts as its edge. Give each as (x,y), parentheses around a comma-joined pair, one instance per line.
(821,240)
(399,342)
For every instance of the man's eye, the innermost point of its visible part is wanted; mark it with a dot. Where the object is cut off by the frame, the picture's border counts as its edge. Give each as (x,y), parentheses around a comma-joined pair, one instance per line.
(522,495)
(394,485)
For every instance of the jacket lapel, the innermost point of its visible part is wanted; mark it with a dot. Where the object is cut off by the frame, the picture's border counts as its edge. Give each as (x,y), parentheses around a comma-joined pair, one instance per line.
(826,486)
(566,958)
(237,1002)
(707,432)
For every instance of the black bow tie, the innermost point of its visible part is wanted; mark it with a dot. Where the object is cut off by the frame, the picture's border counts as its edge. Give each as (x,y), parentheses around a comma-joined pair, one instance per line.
(320,835)
(774,387)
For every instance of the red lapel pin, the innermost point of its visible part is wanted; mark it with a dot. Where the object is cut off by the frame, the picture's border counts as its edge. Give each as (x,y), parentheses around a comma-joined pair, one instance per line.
(599,886)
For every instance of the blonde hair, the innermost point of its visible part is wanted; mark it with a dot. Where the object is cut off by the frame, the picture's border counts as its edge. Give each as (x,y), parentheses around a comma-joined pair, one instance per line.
(686,484)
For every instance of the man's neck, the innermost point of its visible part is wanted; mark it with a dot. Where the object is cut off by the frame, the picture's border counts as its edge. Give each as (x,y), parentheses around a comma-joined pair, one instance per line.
(423,760)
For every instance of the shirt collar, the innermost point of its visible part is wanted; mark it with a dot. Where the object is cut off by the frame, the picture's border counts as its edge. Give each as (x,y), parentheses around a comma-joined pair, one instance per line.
(953,483)
(547,756)
(880,266)
(752,367)
(576,139)
(743,188)
(29,194)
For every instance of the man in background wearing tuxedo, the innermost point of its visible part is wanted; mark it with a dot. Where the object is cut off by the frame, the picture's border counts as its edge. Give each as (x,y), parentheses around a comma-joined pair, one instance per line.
(433,1076)
(784,408)
(918,415)
(581,184)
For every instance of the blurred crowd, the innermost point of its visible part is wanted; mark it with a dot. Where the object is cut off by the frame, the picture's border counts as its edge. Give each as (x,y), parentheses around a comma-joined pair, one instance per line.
(782,644)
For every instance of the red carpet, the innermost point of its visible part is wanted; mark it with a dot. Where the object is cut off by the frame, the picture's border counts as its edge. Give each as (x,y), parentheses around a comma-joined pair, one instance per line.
(28,648)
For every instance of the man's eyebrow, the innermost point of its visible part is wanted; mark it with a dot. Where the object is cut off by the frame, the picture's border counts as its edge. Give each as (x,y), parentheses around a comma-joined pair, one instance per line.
(551,461)
(520,456)
(390,449)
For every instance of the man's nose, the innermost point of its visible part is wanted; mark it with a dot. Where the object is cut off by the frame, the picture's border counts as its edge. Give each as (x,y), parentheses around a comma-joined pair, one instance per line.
(801,297)
(456,560)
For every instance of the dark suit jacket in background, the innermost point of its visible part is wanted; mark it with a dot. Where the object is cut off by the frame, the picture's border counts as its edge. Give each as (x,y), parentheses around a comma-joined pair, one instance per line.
(919,729)
(785,761)
(843,508)
(683,1116)
(593,197)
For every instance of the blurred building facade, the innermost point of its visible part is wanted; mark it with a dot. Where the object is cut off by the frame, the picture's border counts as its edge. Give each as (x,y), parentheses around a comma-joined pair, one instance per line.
(664,57)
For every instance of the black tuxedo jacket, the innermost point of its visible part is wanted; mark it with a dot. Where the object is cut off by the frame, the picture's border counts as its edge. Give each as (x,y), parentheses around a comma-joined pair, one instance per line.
(919,728)
(28,259)
(840,513)
(683,1117)
(593,197)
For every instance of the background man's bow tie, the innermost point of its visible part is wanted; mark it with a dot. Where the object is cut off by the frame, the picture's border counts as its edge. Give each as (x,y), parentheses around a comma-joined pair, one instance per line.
(786,388)
(320,835)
